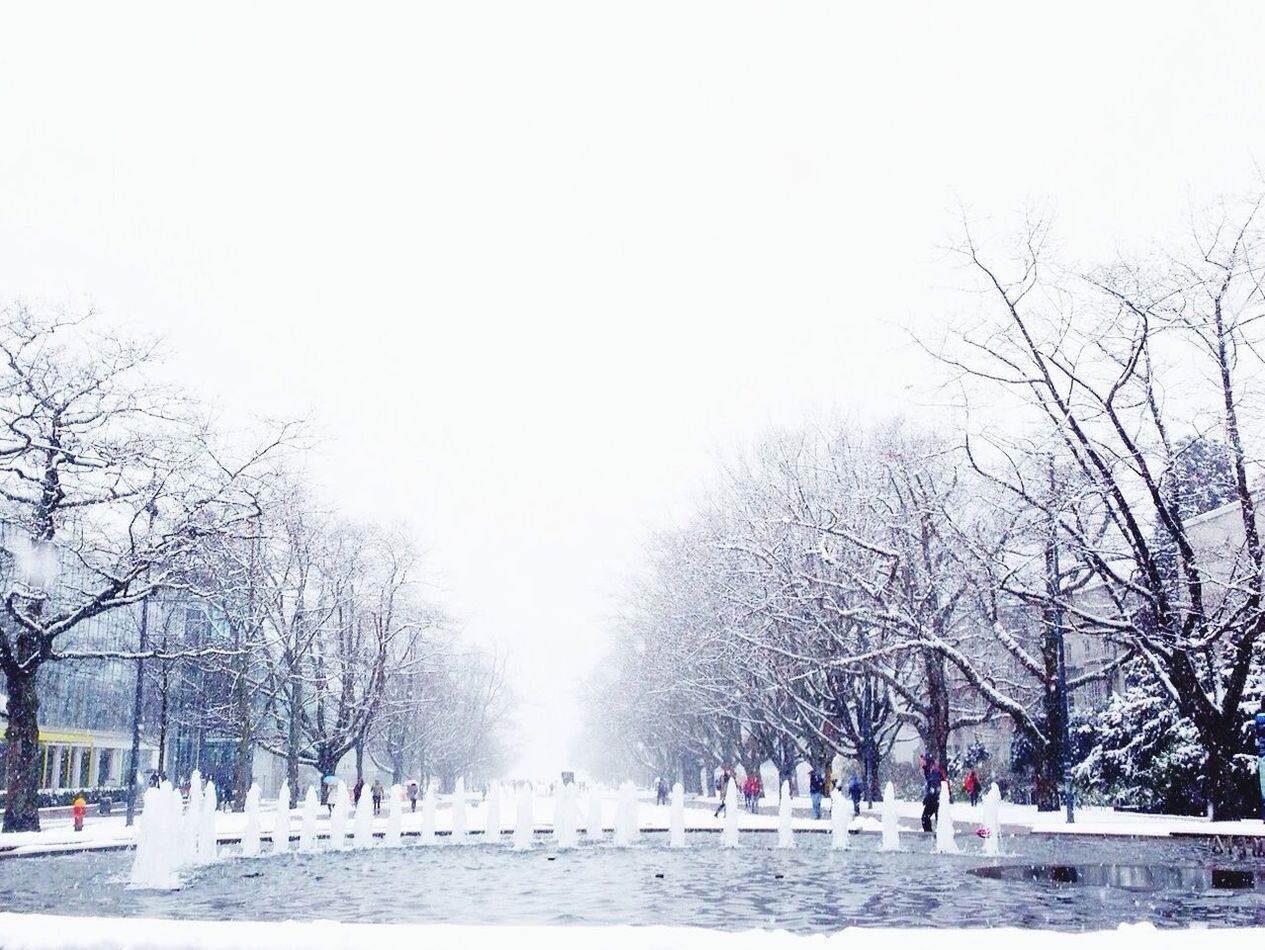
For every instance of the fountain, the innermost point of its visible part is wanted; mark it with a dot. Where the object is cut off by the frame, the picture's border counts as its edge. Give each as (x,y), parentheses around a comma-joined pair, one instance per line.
(281,820)
(676,817)
(891,829)
(362,827)
(729,835)
(459,812)
(428,815)
(338,817)
(207,850)
(395,818)
(172,843)
(564,817)
(992,820)
(785,836)
(945,844)
(492,830)
(158,844)
(593,821)
(191,826)
(523,822)
(307,829)
(838,821)
(626,822)
(250,833)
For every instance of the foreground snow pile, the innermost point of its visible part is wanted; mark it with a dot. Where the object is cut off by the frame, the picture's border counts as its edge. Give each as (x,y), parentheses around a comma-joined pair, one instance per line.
(44,932)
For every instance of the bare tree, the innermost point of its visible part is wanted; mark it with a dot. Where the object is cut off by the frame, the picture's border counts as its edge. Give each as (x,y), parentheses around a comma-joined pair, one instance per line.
(108,483)
(1110,371)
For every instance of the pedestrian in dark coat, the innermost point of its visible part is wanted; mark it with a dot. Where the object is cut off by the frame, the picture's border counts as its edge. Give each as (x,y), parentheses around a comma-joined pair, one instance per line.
(854,792)
(815,789)
(722,786)
(931,797)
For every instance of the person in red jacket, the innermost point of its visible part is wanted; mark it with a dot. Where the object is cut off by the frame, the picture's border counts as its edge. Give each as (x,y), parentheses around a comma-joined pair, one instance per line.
(750,791)
(971,786)
(78,810)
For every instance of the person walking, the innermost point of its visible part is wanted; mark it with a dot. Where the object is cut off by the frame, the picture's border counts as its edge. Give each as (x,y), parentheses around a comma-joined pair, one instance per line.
(854,793)
(412,796)
(931,797)
(376,791)
(661,791)
(971,784)
(722,786)
(78,810)
(815,787)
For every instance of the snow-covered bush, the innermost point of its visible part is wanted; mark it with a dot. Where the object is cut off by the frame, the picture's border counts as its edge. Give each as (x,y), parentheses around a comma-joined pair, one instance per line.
(1145,755)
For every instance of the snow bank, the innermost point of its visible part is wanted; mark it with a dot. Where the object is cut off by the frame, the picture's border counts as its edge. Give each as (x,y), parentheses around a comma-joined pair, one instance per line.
(45,932)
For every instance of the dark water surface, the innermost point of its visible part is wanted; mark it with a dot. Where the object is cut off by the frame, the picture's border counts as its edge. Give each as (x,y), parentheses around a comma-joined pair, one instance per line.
(1063,882)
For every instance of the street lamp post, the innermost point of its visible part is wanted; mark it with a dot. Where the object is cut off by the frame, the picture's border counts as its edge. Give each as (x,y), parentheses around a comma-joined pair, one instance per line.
(1057,616)
(138,697)
(134,759)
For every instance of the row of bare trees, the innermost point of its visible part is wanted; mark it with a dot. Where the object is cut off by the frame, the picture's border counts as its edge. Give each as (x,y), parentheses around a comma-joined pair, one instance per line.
(117,496)
(1095,483)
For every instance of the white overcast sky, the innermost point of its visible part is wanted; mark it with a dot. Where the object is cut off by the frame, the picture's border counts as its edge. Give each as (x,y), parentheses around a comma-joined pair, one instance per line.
(531,267)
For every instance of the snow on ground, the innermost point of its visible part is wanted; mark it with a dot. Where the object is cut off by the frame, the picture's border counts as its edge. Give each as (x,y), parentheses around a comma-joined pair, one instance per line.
(112,832)
(43,932)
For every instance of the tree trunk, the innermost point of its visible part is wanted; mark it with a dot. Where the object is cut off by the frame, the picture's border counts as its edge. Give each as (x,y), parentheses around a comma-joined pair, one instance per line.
(938,708)
(1229,796)
(164,694)
(397,770)
(869,764)
(22,753)
(867,750)
(689,774)
(326,764)
(786,773)
(292,746)
(243,773)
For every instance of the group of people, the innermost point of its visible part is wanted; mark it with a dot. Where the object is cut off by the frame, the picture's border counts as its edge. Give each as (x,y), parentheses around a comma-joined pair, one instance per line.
(750,788)
(819,784)
(376,792)
(822,783)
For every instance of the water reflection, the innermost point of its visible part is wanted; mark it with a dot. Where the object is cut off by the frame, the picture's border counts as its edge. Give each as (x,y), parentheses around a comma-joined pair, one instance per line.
(1068,884)
(1131,877)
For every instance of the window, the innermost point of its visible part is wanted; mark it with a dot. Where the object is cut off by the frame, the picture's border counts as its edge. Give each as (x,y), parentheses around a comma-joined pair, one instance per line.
(104,757)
